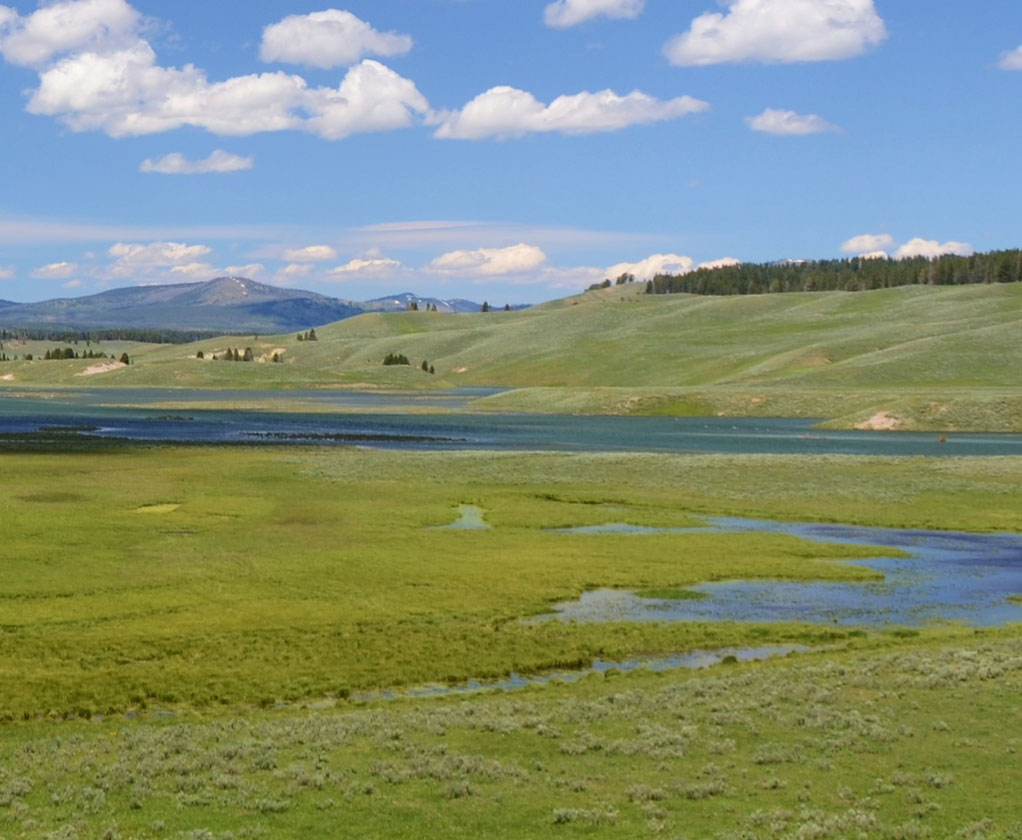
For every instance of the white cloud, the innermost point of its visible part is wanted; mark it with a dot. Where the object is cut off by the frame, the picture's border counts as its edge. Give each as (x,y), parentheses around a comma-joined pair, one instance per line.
(773,121)
(125,93)
(370,98)
(779,31)
(564,13)
(1011,60)
(875,255)
(55,271)
(6,272)
(490,261)
(56,28)
(651,266)
(571,278)
(250,270)
(331,38)
(194,270)
(868,242)
(311,253)
(362,266)
(72,284)
(295,270)
(931,249)
(723,262)
(508,112)
(177,164)
(97,73)
(133,259)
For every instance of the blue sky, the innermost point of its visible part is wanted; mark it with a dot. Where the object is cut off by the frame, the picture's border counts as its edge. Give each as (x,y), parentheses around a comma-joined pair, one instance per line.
(507,150)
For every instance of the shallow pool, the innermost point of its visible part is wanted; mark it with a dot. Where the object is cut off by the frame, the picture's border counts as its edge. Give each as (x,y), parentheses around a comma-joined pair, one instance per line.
(948,576)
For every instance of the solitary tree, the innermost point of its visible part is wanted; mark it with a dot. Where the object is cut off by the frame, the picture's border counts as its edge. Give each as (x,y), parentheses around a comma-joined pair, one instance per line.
(124,359)
(485,307)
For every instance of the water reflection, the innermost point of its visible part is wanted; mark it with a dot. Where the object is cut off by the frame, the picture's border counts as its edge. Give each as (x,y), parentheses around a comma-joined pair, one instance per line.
(948,576)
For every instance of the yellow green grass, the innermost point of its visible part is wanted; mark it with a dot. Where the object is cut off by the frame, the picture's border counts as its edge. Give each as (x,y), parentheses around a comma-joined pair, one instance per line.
(217,584)
(211,577)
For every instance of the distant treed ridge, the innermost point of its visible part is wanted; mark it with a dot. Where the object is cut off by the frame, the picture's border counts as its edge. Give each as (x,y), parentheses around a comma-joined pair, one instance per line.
(857,274)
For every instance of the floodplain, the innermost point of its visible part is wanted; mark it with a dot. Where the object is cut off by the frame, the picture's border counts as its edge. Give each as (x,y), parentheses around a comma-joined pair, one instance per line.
(192,638)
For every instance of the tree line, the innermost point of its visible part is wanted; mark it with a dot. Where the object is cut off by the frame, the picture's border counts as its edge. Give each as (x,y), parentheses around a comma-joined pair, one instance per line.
(856,274)
(141,334)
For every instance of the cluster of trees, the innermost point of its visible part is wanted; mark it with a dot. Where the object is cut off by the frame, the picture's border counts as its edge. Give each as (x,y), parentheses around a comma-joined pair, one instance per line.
(413,306)
(850,275)
(427,367)
(70,353)
(622,279)
(310,335)
(487,308)
(396,359)
(232,355)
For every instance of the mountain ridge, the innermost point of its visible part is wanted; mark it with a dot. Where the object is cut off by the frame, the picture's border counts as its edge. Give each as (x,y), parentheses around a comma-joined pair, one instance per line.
(228,304)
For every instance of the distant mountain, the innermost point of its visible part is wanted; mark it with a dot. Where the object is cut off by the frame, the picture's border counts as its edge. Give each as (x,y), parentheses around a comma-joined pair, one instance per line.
(225,304)
(405,300)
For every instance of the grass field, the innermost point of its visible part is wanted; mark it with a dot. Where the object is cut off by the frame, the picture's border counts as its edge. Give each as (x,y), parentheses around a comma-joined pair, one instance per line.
(933,357)
(235,590)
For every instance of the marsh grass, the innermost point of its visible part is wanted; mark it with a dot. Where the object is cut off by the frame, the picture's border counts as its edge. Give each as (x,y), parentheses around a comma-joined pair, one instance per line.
(248,578)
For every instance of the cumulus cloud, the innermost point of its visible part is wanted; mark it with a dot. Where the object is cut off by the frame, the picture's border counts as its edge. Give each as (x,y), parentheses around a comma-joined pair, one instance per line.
(490,261)
(6,272)
(508,112)
(363,266)
(651,266)
(565,13)
(134,259)
(1011,60)
(779,31)
(867,243)
(931,249)
(723,262)
(773,121)
(55,271)
(97,73)
(311,253)
(331,38)
(79,25)
(177,164)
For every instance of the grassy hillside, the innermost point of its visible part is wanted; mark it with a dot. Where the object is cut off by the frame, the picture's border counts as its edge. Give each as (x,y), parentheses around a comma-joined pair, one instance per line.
(941,358)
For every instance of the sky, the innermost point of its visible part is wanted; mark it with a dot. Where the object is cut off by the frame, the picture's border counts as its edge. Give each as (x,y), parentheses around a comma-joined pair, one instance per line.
(512,151)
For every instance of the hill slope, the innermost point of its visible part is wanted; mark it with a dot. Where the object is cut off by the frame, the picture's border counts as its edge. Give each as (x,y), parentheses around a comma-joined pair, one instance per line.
(944,357)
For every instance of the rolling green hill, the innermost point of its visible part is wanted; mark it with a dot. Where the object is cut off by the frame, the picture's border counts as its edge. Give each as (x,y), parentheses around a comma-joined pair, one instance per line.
(910,357)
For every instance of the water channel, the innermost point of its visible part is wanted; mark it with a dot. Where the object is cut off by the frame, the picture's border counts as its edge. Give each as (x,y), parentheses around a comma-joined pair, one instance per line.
(439,421)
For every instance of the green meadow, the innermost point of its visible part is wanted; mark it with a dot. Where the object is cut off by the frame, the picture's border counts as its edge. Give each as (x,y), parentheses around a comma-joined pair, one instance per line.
(188,635)
(935,358)
(198,642)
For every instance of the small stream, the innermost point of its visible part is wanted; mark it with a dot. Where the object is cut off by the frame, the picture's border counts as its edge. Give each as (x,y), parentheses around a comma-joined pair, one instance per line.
(694,660)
